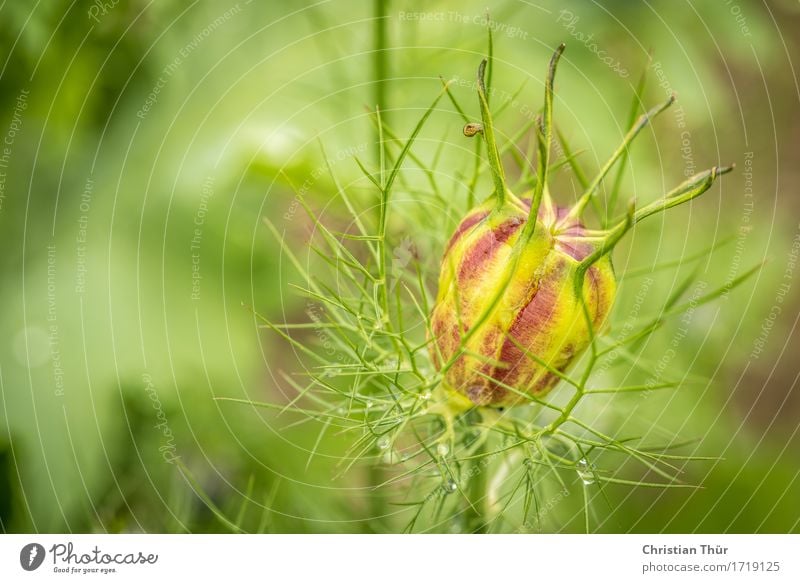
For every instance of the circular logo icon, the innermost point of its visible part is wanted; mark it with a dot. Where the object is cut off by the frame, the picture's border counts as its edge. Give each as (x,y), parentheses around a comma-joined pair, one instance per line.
(31,556)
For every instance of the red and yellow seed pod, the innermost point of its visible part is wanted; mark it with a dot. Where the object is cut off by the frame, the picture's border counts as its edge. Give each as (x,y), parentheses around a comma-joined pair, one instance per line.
(524,285)
(507,314)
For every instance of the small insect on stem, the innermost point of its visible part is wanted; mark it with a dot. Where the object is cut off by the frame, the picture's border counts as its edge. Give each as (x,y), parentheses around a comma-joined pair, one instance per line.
(472,129)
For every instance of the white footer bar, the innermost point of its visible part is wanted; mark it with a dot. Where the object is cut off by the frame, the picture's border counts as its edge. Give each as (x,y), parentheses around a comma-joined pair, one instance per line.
(401,559)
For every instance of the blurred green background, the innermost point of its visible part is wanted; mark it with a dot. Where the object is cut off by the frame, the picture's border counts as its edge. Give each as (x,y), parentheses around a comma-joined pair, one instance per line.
(143,143)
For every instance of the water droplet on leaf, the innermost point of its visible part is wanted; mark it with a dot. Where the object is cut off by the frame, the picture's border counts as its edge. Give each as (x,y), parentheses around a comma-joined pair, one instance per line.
(585,472)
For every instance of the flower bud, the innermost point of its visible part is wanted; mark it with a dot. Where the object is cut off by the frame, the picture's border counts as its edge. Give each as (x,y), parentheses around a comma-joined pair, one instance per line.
(524,286)
(508,314)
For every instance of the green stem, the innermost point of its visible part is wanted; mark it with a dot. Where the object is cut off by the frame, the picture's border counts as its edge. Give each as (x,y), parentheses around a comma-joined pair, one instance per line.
(498,174)
(688,190)
(380,73)
(566,412)
(643,120)
(477,520)
(545,135)
(635,105)
(379,52)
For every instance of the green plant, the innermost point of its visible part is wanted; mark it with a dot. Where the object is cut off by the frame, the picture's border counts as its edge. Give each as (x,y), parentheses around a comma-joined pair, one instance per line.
(376,367)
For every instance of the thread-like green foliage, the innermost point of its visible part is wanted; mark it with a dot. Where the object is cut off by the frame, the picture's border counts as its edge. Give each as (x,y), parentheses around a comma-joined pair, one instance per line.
(442,463)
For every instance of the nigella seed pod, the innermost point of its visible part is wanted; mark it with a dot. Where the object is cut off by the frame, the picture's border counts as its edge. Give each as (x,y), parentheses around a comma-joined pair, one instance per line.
(507,315)
(524,285)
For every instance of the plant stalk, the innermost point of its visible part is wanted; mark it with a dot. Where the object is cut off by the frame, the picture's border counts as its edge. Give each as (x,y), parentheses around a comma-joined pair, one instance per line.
(477,492)
(380,66)
(498,174)
(376,473)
